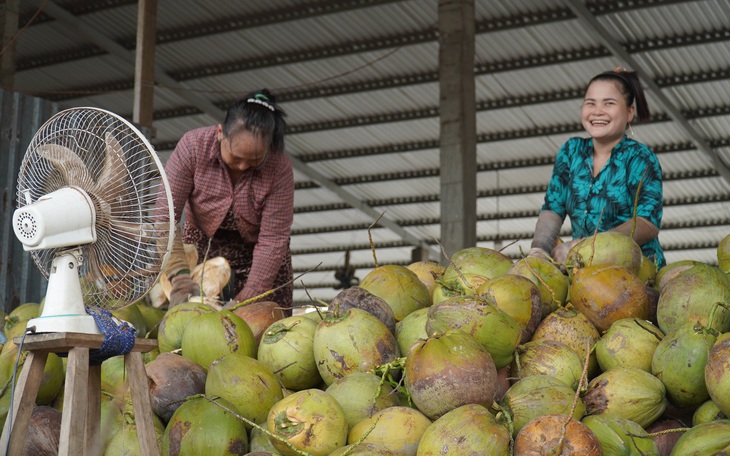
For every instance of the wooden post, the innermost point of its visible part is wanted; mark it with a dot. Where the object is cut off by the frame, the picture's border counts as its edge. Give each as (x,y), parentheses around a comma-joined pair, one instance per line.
(8,31)
(144,68)
(457,106)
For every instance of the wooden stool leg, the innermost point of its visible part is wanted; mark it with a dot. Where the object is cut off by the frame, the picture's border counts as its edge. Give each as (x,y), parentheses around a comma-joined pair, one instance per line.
(23,402)
(75,395)
(139,388)
(93,413)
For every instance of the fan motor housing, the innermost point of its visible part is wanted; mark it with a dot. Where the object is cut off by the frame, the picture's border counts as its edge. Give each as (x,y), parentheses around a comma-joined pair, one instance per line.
(62,218)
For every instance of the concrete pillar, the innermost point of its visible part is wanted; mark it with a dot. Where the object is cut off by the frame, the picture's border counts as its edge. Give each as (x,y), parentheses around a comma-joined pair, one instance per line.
(458,124)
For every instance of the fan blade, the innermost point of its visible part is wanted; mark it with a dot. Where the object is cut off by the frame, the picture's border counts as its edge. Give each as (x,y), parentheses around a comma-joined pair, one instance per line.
(69,164)
(110,184)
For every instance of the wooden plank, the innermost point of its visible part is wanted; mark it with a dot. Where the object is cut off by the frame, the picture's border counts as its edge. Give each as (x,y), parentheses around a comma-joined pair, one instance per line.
(23,403)
(75,395)
(139,389)
(92,438)
(64,342)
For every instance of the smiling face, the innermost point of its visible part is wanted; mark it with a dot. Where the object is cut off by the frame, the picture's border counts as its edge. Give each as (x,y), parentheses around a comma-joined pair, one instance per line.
(242,151)
(604,113)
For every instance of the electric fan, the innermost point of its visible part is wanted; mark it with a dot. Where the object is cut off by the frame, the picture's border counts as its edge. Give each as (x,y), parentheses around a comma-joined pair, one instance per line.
(95,211)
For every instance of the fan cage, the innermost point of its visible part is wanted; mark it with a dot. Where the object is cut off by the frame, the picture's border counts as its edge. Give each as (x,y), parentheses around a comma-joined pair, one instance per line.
(133,209)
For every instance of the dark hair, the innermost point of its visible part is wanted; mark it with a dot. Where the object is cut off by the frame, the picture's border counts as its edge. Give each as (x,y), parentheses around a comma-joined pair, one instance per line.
(258,113)
(630,88)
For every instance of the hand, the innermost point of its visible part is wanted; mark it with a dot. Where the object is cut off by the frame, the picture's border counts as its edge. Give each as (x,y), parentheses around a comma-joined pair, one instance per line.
(537,252)
(183,288)
(560,253)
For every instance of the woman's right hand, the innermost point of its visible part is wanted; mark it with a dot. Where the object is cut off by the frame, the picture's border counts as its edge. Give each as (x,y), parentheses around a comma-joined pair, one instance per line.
(183,288)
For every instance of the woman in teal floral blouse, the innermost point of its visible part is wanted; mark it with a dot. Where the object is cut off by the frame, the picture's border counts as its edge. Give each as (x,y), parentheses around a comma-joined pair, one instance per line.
(597,181)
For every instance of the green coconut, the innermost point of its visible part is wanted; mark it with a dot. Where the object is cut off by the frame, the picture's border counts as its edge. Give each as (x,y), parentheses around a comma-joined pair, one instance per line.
(396,428)
(628,392)
(606,248)
(723,254)
(518,297)
(572,328)
(708,411)
(548,278)
(467,430)
(547,357)
(629,342)
(467,270)
(447,371)
(133,316)
(363,449)
(535,396)
(498,333)
(114,376)
(717,373)
(126,442)
(286,348)
(690,296)
(671,270)
(51,380)
(214,334)
(259,442)
(351,341)
(619,436)
(311,420)
(170,331)
(152,319)
(705,439)
(427,272)
(246,383)
(362,395)
(411,329)
(679,362)
(399,287)
(199,427)
(22,313)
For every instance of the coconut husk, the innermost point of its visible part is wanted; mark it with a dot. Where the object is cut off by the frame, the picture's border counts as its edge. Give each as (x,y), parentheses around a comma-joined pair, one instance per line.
(191,257)
(212,275)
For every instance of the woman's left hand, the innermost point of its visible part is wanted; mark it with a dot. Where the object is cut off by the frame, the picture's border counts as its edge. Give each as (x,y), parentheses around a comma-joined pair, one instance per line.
(560,253)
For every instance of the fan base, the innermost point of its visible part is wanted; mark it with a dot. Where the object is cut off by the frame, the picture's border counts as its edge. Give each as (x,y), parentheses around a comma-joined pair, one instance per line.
(64,323)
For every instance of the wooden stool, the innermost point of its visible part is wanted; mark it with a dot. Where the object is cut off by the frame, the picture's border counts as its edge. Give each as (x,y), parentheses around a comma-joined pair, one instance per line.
(80,420)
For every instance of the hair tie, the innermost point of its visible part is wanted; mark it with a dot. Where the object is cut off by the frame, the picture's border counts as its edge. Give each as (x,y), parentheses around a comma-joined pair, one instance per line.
(262,100)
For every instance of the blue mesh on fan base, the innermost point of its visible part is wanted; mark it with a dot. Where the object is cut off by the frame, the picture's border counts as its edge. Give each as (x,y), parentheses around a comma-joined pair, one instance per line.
(118,334)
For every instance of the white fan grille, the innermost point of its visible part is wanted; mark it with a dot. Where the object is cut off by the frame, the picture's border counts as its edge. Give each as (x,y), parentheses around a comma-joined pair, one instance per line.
(110,159)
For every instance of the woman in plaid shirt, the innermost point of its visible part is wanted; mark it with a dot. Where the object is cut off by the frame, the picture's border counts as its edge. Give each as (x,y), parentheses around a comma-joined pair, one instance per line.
(235,186)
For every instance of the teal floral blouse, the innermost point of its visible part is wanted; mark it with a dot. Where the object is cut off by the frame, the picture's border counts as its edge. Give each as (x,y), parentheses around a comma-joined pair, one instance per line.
(607,200)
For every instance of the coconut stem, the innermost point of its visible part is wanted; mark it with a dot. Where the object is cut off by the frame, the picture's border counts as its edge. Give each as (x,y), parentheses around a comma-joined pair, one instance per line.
(251,423)
(709,329)
(370,238)
(267,293)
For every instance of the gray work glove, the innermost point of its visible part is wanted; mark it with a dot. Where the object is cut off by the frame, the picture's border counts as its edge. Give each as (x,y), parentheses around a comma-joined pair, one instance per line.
(183,288)
(547,230)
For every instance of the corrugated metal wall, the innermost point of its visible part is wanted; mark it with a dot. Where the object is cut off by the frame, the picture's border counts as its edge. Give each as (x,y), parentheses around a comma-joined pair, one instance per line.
(20,117)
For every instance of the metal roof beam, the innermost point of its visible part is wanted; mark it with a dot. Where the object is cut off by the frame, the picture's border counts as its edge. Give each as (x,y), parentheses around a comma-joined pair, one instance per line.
(362,206)
(601,34)
(99,38)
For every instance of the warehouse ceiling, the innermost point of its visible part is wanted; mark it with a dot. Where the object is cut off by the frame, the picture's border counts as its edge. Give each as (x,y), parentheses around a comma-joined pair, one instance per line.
(359,81)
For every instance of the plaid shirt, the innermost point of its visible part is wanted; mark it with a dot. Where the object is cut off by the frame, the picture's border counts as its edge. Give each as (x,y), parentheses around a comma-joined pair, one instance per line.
(262,201)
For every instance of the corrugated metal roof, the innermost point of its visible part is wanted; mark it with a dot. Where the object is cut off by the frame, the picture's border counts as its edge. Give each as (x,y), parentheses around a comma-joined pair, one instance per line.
(359,81)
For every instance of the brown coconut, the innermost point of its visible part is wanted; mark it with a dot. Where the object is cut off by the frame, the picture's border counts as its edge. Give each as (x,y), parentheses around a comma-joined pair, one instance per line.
(558,435)
(360,298)
(44,432)
(172,379)
(259,316)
